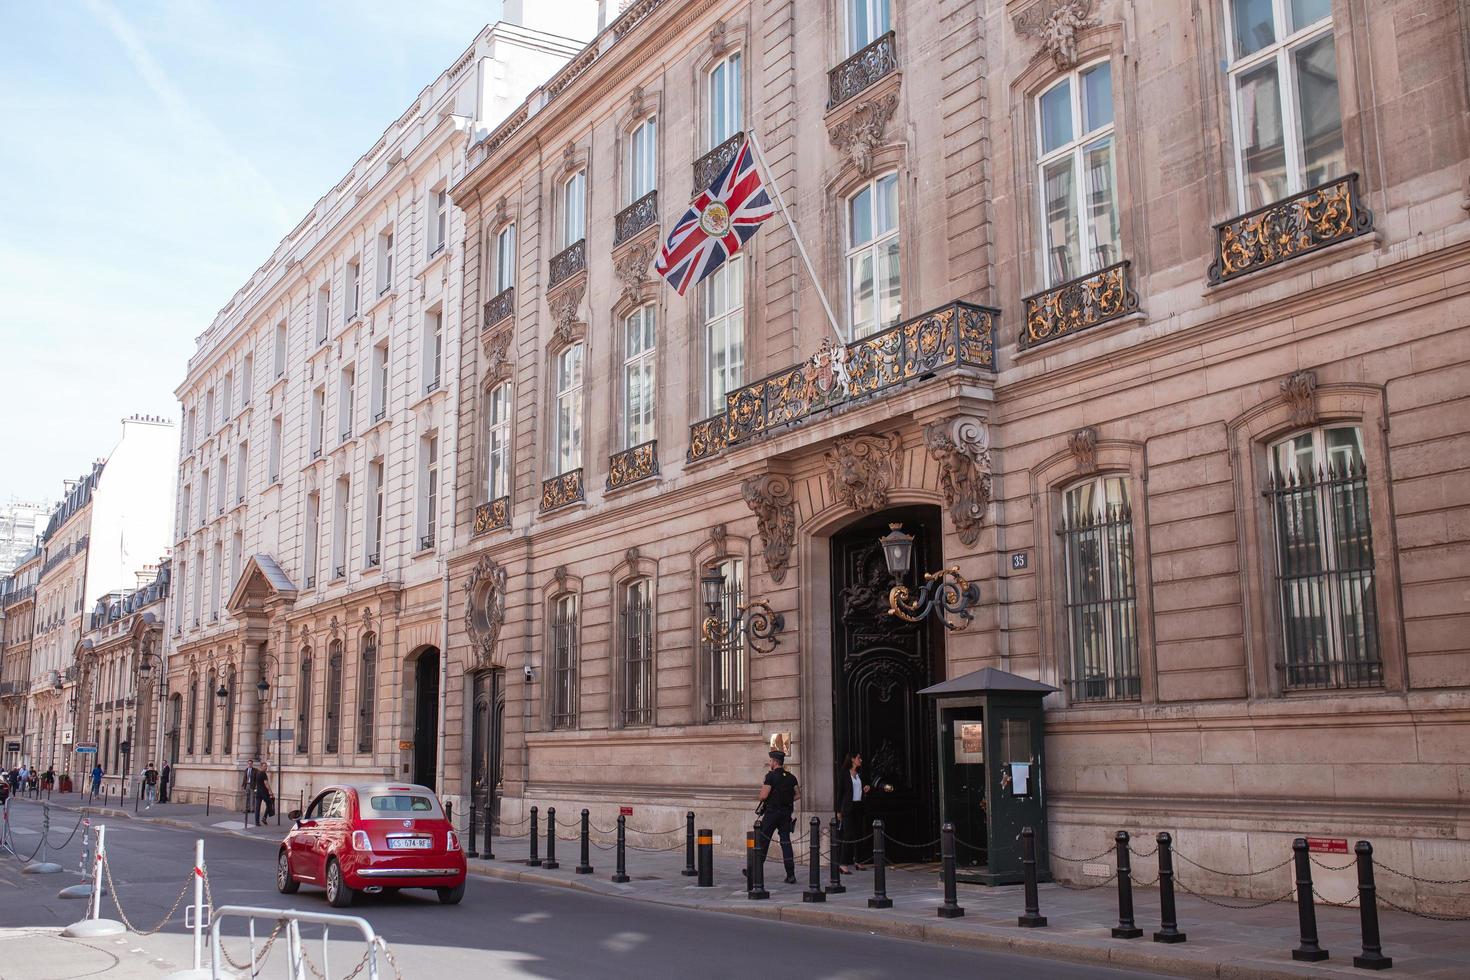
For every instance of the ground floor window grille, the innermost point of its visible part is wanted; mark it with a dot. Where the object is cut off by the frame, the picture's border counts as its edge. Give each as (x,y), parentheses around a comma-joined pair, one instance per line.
(1102,606)
(638,686)
(725,652)
(564,662)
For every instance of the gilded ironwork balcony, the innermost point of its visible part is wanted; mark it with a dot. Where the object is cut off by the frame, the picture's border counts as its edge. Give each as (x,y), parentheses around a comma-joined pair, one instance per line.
(632,465)
(1078,304)
(641,214)
(500,307)
(562,489)
(708,167)
(957,336)
(861,70)
(492,516)
(568,262)
(1305,222)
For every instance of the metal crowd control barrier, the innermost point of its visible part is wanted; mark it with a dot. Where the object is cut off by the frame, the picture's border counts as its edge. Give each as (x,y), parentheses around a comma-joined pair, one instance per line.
(298,961)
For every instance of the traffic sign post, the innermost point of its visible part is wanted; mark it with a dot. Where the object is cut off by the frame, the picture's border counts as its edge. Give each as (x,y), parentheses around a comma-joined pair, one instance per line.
(86,748)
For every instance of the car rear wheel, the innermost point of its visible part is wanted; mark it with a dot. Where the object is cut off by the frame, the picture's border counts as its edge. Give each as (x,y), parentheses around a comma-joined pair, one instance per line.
(339,896)
(451,896)
(285,884)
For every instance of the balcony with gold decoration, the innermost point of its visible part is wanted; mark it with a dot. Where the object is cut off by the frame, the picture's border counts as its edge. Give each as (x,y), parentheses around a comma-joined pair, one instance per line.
(1303,223)
(955,339)
(492,516)
(631,465)
(562,489)
(1079,304)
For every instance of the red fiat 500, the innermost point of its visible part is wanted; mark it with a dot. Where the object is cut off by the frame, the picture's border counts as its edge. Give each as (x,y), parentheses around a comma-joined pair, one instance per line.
(369,838)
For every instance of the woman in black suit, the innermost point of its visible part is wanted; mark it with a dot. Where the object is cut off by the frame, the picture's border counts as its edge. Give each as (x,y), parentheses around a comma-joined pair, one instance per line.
(851,790)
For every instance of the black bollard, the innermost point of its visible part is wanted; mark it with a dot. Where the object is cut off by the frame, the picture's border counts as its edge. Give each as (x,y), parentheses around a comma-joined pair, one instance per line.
(449,811)
(951,908)
(1032,919)
(550,864)
(206,799)
(1125,929)
(880,899)
(706,841)
(1168,917)
(488,815)
(755,865)
(473,852)
(689,869)
(834,861)
(535,859)
(1372,957)
(814,891)
(1306,911)
(620,876)
(585,868)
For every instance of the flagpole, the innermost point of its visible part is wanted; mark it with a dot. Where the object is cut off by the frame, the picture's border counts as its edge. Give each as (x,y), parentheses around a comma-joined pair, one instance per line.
(760,155)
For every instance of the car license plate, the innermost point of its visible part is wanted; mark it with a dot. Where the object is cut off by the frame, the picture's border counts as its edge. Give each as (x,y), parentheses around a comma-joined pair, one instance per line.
(409,843)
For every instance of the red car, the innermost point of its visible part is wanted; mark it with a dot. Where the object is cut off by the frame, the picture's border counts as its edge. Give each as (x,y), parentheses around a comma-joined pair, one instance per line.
(369,838)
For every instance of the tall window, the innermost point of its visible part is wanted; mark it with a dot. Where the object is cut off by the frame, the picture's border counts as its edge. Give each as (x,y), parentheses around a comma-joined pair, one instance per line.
(439,222)
(385,262)
(318,419)
(214,581)
(367,691)
(198,585)
(227,735)
(1102,630)
(209,421)
(574,209)
(433,355)
(1283,87)
(203,497)
(187,511)
(872,256)
(379,394)
(725,118)
(563,707)
(568,442)
(638,691)
(242,468)
(227,398)
(725,658)
(179,604)
(323,314)
(497,476)
(346,401)
(222,485)
(237,554)
(278,352)
(209,699)
(334,697)
(724,332)
(247,379)
(505,258)
(1318,495)
(639,348)
(313,534)
(352,297)
(375,517)
(193,712)
(1079,216)
(428,489)
(867,20)
(643,159)
(303,702)
(275,449)
(341,526)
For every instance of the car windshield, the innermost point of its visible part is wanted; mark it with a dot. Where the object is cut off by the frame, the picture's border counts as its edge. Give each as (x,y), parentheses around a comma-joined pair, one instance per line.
(391,806)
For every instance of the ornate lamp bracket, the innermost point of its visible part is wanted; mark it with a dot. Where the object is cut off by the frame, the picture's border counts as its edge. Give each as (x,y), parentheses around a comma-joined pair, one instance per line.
(759,622)
(944,594)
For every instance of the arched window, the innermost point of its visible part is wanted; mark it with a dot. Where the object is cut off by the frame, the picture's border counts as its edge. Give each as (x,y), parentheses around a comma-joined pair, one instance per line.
(1076,175)
(636,680)
(227,737)
(1102,604)
(639,351)
(497,450)
(209,700)
(333,732)
(303,713)
(367,691)
(872,257)
(193,712)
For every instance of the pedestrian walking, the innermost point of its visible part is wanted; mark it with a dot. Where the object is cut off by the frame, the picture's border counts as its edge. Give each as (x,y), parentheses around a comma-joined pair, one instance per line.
(48,781)
(96,778)
(150,786)
(247,783)
(851,792)
(265,800)
(777,808)
(163,779)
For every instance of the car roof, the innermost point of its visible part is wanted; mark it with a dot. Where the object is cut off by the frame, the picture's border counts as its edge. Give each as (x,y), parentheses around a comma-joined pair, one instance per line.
(361,788)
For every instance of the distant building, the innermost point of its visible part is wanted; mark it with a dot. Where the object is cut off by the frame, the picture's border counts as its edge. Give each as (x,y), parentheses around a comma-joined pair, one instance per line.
(21,523)
(17,625)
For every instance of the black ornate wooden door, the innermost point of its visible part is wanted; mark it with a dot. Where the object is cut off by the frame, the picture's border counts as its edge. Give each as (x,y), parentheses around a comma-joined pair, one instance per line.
(488,736)
(426,719)
(880,663)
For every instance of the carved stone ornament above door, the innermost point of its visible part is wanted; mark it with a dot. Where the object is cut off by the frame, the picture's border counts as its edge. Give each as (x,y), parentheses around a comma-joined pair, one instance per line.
(1083,444)
(861,469)
(484,608)
(1300,392)
(961,446)
(769,498)
(1056,23)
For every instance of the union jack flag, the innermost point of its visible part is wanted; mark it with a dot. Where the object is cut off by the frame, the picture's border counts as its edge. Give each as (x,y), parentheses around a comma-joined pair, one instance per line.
(719,221)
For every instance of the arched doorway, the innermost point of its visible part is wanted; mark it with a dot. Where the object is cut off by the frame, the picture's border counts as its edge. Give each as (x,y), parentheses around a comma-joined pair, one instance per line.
(879,664)
(426,717)
(488,741)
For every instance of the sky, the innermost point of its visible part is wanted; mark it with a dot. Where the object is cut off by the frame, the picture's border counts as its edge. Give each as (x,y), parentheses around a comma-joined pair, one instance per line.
(152,155)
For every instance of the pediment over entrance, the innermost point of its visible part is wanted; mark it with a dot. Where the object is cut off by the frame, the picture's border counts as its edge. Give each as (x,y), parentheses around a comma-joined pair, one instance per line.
(261,582)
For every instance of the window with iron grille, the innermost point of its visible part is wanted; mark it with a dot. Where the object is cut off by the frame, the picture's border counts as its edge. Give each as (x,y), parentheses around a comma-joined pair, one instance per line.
(1317,494)
(637,687)
(193,712)
(303,714)
(563,706)
(725,655)
(334,696)
(1102,606)
(367,691)
(213,680)
(228,736)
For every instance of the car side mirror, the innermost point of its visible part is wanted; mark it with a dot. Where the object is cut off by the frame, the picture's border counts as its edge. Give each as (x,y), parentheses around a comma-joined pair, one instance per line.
(293,815)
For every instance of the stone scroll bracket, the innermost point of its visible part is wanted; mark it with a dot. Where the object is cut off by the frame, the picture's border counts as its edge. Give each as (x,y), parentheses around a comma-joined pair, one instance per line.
(769,497)
(960,445)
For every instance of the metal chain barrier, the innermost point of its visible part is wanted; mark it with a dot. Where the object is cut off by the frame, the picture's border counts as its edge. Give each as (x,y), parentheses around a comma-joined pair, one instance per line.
(117,901)
(894,840)
(1142,854)
(1234,874)
(1087,888)
(62,845)
(1141,884)
(1422,881)
(1087,860)
(1238,908)
(1422,915)
(251,968)
(1327,901)
(1334,867)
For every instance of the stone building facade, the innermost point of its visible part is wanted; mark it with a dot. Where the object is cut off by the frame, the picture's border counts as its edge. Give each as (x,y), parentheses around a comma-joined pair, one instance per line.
(1152,321)
(317,444)
(18,622)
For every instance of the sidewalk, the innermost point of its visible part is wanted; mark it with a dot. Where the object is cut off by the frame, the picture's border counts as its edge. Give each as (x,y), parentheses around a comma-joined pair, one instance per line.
(184,816)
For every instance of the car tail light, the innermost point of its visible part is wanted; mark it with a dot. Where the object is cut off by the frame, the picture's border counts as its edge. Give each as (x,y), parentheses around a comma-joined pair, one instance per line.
(360,841)
(452,841)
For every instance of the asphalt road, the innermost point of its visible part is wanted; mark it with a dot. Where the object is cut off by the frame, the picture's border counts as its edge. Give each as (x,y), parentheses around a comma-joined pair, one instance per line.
(503,929)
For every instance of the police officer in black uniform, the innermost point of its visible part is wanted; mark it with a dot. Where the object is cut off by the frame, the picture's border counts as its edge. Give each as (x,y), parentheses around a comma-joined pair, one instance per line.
(778,805)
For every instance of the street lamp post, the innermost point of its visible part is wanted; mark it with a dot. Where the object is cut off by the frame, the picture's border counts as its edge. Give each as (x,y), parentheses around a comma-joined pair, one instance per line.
(146,660)
(263,696)
(945,593)
(757,619)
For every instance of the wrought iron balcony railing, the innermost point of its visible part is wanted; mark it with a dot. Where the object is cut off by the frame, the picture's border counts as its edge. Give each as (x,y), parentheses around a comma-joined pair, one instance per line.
(861,70)
(492,516)
(641,214)
(632,465)
(708,167)
(500,307)
(1078,304)
(957,336)
(562,489)
(1305,222)
(568,262)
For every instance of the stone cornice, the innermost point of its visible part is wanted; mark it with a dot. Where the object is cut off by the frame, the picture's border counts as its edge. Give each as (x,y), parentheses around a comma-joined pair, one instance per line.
(1357,711)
